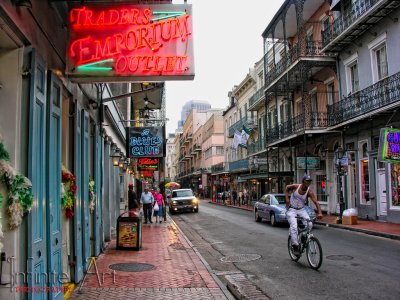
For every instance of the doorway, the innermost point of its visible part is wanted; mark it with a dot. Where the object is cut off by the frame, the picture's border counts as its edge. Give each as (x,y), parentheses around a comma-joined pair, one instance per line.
(381,193)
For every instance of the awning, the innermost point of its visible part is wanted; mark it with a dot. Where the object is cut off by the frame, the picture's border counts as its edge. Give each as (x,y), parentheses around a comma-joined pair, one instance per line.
(335,4)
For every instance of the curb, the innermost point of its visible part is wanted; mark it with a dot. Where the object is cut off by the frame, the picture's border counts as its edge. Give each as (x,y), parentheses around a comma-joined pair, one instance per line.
(223,288)
(365,231)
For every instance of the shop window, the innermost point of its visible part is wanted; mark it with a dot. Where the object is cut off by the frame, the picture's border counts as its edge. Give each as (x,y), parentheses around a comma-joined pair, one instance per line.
(395,185)
(364,173)
(321,188)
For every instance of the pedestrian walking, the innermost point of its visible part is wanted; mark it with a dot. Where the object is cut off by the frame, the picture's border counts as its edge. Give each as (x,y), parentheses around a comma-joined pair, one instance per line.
(223,198)
(133,203)
(159,199)
(147,200)
(234,197)
(240,197)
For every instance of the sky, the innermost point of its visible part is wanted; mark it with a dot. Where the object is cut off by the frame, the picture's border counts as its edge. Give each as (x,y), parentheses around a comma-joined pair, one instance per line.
(227,43)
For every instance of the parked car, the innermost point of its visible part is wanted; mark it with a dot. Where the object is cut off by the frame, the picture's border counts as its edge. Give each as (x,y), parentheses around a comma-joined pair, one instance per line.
(183,200)
(272,207)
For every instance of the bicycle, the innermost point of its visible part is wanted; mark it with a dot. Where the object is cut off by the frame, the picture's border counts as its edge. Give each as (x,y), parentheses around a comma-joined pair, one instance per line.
(309,243)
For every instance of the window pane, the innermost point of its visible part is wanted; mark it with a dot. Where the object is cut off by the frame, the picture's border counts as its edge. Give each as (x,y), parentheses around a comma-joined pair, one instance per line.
(381,62)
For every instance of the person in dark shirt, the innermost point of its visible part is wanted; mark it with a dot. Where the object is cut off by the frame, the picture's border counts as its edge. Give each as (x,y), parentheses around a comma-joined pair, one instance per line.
(133,203)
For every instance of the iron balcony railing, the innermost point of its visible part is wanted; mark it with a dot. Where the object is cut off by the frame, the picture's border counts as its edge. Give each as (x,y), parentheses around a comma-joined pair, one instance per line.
(310,49)
(375,96)
(256,146)
(239,164)
(256,97)
(356,10)
(297,125)
(239,125)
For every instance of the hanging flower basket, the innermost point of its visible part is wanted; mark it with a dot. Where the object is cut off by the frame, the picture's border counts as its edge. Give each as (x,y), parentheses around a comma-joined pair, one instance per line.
(68,192)
(19,192)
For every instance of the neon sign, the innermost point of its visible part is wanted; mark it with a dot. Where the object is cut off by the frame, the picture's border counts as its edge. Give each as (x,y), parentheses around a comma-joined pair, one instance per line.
(148,164)
(389,145)
(146,141)
(130,42)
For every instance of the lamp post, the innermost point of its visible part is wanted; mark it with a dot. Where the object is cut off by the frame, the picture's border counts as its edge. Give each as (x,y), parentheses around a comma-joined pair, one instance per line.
(339,154)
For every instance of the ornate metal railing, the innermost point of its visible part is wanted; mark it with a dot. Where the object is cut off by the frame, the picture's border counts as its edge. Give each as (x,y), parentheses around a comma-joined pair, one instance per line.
(239,125)
(375,96)
(296,125)
(256,97)
(256,146)
(356,10)
(239,164)
(310,49)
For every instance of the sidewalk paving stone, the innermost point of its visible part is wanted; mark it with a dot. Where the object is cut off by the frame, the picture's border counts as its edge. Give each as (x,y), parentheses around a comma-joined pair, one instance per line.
(178,272)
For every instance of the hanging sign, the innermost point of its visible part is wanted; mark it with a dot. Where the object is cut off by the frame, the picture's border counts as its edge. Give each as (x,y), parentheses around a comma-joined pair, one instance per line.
(389,145)
(125,42)
(146,142)
(147,164)
(312,163)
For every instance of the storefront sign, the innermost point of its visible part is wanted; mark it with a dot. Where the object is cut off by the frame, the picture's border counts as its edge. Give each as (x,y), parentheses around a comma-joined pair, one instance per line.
(125,42)
(146,141)
(389,145)
(147,164)
(312,163)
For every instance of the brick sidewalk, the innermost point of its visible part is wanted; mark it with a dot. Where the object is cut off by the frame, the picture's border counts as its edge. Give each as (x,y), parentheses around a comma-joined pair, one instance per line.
(178,271)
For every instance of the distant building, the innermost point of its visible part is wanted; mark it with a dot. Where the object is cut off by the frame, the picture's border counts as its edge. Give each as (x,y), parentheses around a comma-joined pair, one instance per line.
(199,105)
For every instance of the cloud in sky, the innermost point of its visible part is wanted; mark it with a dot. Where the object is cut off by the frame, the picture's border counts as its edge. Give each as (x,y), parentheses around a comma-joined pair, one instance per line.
(227,43)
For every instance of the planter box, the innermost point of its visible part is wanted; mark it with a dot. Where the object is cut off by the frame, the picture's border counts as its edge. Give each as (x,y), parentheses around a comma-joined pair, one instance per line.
(349,220)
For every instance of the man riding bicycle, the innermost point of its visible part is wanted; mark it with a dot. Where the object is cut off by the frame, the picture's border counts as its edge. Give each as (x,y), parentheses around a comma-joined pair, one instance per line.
(295,207)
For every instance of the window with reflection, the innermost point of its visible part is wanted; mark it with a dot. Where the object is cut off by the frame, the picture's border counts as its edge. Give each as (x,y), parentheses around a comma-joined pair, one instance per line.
(364,173)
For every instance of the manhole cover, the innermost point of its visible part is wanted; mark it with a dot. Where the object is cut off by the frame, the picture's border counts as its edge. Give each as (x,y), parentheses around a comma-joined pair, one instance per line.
(340,257)
(132,267)
(240,258)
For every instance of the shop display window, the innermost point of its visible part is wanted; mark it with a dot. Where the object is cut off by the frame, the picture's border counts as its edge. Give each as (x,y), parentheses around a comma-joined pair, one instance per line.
(395,184)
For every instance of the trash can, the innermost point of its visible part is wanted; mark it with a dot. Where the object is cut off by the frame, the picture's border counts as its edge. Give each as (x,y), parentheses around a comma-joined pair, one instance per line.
(129,231)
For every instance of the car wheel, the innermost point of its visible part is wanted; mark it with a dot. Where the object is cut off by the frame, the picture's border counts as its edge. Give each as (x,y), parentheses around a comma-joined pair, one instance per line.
(272,219)
(196,210)
(171,211)
(256,216)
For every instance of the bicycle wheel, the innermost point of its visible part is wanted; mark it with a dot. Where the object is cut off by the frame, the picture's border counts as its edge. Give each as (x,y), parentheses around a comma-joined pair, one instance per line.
(314,253)
(290,249)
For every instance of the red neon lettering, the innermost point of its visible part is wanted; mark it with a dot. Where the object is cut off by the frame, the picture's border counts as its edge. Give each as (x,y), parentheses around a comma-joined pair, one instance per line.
(133,68)
(131,41)
(82,48)
(183,31)
(121,64)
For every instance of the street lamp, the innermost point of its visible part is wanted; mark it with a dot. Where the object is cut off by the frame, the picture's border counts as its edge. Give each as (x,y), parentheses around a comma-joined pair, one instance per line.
(115,157)
(339,155)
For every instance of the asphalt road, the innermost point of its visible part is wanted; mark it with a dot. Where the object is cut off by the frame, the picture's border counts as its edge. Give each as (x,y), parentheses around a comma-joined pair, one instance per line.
(355,265)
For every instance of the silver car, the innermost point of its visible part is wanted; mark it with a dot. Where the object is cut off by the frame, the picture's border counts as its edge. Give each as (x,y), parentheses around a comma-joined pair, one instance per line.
(272,207)
(183,200)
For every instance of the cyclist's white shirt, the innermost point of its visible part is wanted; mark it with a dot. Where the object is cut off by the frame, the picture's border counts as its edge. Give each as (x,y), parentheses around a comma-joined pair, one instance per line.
(296,200)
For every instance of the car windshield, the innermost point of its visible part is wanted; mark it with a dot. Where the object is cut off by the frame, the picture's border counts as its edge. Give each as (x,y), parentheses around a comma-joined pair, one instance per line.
(184,193)
(279,199)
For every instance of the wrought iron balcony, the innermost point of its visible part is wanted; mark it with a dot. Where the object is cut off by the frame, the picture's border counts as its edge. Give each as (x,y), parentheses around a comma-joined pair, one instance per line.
(197,147)
(378,95)
(249,123)
(256,146)
(297,125)
(255,101)
(355,19)
(239,165)
(303,49)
